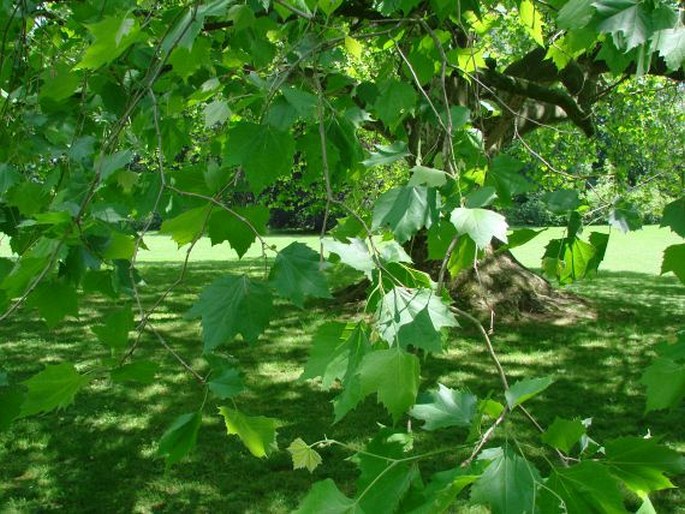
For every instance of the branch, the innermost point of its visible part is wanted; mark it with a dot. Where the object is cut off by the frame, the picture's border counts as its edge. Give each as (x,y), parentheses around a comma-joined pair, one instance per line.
(550,95)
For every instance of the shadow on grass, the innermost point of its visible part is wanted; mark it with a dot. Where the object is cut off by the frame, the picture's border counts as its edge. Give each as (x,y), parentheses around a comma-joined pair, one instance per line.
(99,454)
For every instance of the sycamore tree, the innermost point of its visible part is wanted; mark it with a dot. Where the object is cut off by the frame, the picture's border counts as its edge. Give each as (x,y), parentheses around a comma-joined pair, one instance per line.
(118,113)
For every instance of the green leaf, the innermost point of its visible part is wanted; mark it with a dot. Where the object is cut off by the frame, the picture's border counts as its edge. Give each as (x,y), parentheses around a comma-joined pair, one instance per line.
(188,226)
(641,463)
(562,201)
(430,177)
(406,210)
(8,177)
(586,488)
(257,433)
(297,274)
(141,371)
(226,383)
(59,82)
(481,197)
(532,21)
(216,113)
(670,43)
(445,407)
(112,36)
(55,300)
(387,154)
(575,14)
(107,165)
(443,488)
(114,332)
(520,236)
(233,305)
(674,215)
(401,306)
(180,438)
(224,226)
(481,225)
(11,401)
(524,390)
(4,381)
(337,350)
(625,217)
(674,260)
(396,100)
(52,388)
(355,254)
(304,103)
(264,152)
(325,498)
(628,21)
(383,481)
(665,382)
(303,455)
(563,434)
(508,485)
(394,376)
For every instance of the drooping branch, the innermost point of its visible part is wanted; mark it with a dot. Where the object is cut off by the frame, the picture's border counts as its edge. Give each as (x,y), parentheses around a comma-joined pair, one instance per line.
(548,95)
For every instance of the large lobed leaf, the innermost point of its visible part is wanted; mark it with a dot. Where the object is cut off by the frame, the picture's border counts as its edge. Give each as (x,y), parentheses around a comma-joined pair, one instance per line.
(297,274)
(52,388)
(233,305)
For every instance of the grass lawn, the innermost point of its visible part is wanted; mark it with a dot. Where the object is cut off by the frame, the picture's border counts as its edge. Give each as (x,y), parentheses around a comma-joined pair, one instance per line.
(98,455)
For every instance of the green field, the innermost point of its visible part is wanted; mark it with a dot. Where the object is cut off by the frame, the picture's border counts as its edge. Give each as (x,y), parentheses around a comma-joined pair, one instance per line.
(98,455)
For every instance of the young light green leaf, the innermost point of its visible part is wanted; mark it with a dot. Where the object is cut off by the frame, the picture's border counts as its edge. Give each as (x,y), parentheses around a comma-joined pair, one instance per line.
(481,225)
(297,274)
(394,376)
(524,390)
(240,233)
(445,407)
(52,388)
(532,21)
(563,434)
(303,455)
(508,485)
(188,226)
(180,438)
(233,305)
(325,498)
(257,433)
(641,463)
(405,210)
(586,488)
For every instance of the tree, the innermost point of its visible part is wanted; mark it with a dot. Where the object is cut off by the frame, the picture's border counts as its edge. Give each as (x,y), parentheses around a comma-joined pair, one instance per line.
(122,112)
